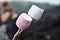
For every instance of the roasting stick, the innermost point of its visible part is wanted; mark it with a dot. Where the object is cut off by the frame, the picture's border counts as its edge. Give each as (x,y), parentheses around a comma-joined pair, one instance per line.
(17,34)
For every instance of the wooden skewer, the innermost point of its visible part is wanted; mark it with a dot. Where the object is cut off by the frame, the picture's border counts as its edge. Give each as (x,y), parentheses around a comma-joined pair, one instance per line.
(17,34)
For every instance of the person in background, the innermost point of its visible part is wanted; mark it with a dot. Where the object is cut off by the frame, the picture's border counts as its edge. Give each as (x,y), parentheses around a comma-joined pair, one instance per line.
(9,17)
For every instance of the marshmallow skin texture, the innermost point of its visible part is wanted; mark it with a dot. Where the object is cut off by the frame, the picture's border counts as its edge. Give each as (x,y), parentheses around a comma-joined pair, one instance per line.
(35,12)
(23,21)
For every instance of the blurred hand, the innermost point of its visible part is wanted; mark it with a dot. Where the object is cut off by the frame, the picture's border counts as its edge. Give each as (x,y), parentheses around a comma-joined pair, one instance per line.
(14,16)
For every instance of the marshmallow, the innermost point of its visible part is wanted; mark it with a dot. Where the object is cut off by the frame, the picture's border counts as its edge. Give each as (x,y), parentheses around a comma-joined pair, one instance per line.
(35,12)
(23,21)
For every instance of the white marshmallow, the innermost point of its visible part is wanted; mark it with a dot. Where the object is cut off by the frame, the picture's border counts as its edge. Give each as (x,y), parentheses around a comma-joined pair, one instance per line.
(35,12)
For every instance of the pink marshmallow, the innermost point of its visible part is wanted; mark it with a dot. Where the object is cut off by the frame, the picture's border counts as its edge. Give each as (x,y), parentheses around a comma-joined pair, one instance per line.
(23,21)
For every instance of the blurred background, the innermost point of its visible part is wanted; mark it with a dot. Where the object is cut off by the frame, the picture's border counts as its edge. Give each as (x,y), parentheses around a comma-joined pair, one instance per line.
(47,28)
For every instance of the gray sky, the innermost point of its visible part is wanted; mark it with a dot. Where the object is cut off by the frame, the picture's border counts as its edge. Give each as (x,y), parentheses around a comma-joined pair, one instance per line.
(55,2)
